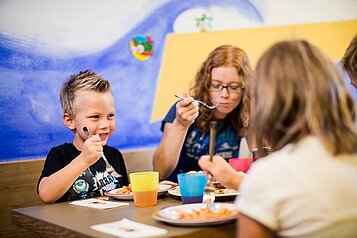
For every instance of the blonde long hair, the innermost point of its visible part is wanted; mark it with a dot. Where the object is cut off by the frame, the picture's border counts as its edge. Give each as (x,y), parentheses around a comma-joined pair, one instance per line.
(297,91)
(223,56)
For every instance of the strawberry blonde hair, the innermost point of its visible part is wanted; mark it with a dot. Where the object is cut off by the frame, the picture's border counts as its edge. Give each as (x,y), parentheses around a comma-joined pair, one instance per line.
(223,56)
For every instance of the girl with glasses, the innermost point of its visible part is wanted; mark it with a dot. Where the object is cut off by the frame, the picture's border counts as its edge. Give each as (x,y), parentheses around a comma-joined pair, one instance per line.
(222,79)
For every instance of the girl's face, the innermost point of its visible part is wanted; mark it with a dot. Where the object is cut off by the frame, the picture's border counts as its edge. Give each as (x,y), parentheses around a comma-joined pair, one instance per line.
(230,95)
(96,112)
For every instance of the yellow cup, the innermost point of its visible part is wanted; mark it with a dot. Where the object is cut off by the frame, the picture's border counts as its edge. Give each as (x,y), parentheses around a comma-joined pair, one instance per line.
(144,186)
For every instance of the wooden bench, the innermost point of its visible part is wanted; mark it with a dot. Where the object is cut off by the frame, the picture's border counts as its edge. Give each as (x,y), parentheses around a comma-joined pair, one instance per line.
(19,181)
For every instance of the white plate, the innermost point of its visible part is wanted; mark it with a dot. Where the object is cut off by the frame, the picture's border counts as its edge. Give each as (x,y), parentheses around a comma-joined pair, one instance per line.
(163,188)
(229,193)
(170,215)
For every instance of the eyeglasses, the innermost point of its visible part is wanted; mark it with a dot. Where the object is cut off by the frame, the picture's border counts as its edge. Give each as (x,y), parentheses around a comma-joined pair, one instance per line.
(232,88)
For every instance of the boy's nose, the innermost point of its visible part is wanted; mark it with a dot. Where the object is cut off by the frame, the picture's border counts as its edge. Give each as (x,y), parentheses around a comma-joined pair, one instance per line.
(104,123)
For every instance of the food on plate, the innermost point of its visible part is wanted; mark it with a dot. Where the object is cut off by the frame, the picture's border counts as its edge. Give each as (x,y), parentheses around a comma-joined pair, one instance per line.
(219,189)
(217,185)
(103,198)
(206,213)
(167,182)
(124,190)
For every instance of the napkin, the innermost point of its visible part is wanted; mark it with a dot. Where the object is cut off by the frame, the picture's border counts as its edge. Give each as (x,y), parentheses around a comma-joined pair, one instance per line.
(126,228)
(98,203)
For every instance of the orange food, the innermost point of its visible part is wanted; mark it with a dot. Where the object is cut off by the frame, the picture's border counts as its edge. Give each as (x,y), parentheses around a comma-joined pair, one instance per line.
(124,190)
(206,213)
(103,198)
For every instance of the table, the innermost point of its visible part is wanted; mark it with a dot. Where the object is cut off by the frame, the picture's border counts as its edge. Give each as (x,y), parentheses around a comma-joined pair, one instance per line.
(64,220)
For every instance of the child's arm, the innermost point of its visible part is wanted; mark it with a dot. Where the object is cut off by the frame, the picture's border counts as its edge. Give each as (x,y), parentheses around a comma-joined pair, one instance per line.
(53,187)
(167,154)
(248,227)
(221,171)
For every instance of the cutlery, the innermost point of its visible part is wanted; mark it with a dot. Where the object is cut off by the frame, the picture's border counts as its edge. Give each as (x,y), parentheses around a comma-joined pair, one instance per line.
(209,194)
(109,168)
(85,129)
(200,102)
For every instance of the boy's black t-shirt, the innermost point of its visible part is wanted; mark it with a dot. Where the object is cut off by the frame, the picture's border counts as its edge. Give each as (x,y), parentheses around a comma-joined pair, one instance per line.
(93,181)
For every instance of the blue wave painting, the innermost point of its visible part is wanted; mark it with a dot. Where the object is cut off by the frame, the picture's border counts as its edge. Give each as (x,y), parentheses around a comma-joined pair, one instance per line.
(30,111)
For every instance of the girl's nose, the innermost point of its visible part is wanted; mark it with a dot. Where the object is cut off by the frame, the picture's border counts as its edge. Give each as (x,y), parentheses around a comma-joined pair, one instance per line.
(224,92)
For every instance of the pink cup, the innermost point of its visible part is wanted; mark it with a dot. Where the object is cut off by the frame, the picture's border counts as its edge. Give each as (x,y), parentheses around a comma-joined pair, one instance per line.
(241,164)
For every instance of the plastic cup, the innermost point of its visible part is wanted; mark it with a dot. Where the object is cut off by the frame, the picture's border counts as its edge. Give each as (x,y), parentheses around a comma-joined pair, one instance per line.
(192,186)
(144,186)
(241,164)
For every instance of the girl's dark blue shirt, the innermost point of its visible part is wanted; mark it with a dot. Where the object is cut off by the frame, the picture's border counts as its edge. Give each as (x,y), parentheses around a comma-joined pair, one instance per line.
(196,144)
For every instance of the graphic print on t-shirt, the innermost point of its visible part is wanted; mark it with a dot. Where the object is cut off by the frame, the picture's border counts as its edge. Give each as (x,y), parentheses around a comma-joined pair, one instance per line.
(196,144)
(105,181)
(82,186)
(88,185)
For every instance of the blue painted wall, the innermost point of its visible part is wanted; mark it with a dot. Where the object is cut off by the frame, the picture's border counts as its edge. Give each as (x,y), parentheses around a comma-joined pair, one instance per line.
(30,113)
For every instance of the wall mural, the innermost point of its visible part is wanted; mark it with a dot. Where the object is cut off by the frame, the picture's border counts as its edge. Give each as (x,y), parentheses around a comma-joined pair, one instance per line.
(42,43)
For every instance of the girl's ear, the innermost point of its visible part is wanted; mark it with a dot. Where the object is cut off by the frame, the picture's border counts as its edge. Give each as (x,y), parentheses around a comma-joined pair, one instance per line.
(68,121)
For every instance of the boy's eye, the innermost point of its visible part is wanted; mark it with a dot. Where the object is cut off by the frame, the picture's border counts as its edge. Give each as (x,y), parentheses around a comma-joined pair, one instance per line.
(111,115)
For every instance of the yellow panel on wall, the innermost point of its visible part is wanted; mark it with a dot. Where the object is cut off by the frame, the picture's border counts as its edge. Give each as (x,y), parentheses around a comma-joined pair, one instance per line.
(185,52)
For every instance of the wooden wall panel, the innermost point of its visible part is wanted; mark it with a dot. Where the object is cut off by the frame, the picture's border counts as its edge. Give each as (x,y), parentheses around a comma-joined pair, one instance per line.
(18,189)
(19,181)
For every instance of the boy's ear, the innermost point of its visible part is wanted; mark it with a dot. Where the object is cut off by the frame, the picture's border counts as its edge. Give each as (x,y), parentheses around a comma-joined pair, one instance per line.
(68,121)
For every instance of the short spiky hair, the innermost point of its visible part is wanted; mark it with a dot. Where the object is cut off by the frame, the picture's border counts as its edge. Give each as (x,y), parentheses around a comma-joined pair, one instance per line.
(84,80)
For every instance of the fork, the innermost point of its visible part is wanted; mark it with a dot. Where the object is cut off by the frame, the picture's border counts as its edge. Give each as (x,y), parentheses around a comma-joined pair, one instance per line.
(209,194)
(108,167)
(200,102)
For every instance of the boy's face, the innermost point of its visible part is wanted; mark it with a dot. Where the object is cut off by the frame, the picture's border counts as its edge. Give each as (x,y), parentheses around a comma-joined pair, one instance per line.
(96,111)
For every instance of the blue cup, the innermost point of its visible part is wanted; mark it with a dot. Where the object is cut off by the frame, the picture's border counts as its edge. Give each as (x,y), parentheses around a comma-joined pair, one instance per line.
(192,187)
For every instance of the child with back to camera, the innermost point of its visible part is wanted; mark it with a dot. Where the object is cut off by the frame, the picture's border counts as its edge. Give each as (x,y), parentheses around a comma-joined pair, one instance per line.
(79,170)
(300,107)
(223,172)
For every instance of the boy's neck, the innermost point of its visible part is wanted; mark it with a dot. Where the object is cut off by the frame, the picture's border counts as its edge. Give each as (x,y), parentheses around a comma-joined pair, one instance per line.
(78,146)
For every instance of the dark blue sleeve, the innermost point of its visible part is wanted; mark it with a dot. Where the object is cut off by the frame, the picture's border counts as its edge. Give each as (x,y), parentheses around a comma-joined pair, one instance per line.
(170,116)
